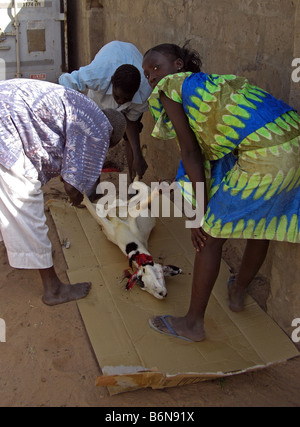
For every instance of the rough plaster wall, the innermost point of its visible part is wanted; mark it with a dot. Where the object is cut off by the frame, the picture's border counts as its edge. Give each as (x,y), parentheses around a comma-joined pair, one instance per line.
(283,303)
(284,299)
(85,31)
(254,38)
(295,86)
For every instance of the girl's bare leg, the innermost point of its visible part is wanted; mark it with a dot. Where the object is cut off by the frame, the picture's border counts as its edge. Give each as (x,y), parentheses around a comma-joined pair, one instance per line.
(206,270)
(56,292)
(253,258)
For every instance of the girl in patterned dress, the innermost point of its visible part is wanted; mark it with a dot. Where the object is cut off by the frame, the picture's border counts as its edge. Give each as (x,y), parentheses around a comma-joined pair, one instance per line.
(244,145)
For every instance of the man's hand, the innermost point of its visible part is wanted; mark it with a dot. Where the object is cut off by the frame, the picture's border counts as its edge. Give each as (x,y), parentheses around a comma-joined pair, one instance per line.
(75,196)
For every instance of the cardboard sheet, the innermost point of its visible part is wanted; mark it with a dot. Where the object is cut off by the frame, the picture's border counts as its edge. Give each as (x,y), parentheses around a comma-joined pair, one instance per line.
(131,355)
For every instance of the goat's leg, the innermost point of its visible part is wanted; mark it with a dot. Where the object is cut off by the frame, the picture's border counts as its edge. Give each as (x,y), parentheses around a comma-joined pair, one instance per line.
(104,222)
(141,227)
(143,198)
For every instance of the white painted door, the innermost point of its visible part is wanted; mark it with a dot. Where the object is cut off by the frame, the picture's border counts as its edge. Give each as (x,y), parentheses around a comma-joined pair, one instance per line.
(32,39)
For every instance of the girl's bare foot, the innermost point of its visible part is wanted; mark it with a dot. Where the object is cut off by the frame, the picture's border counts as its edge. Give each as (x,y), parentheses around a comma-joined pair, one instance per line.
(177,327)
(236,295)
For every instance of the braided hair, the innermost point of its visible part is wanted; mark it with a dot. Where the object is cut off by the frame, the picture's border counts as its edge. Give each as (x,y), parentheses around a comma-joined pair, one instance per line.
(128,78)
(191,58)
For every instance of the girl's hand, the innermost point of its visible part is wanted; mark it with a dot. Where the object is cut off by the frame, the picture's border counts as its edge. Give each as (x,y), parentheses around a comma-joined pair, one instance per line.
(199,238)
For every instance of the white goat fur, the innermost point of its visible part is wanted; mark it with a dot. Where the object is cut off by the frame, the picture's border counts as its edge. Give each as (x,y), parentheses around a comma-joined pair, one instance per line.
(134,228)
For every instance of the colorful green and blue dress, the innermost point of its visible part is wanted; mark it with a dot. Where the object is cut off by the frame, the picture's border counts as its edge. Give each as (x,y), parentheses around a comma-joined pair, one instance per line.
(251,145)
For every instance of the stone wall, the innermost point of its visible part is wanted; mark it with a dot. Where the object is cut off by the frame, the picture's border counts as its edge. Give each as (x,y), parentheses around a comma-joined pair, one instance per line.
(254,38)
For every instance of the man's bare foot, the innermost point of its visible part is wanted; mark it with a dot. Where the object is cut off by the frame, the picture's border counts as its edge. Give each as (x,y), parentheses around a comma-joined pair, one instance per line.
(177,327)
(56,292)
(66,293)
(236,295)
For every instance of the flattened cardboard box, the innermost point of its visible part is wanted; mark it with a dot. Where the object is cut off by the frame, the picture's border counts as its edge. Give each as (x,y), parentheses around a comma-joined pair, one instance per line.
(131,355)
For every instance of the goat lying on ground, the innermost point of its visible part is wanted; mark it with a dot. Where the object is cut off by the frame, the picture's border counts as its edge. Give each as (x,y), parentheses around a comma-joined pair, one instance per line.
(131,234)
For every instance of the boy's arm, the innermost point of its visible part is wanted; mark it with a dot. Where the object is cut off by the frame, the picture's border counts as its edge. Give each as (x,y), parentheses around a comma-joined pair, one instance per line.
(139,164)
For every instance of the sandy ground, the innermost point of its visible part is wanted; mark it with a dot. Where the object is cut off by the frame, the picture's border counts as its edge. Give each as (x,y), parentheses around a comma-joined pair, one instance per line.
(48,361)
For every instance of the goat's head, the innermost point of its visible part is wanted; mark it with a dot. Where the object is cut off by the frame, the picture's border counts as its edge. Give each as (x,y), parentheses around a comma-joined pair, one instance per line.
(150,278)
(150,275)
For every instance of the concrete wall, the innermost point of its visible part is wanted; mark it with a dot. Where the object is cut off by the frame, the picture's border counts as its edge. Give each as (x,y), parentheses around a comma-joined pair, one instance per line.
(254,38)
(85,31)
